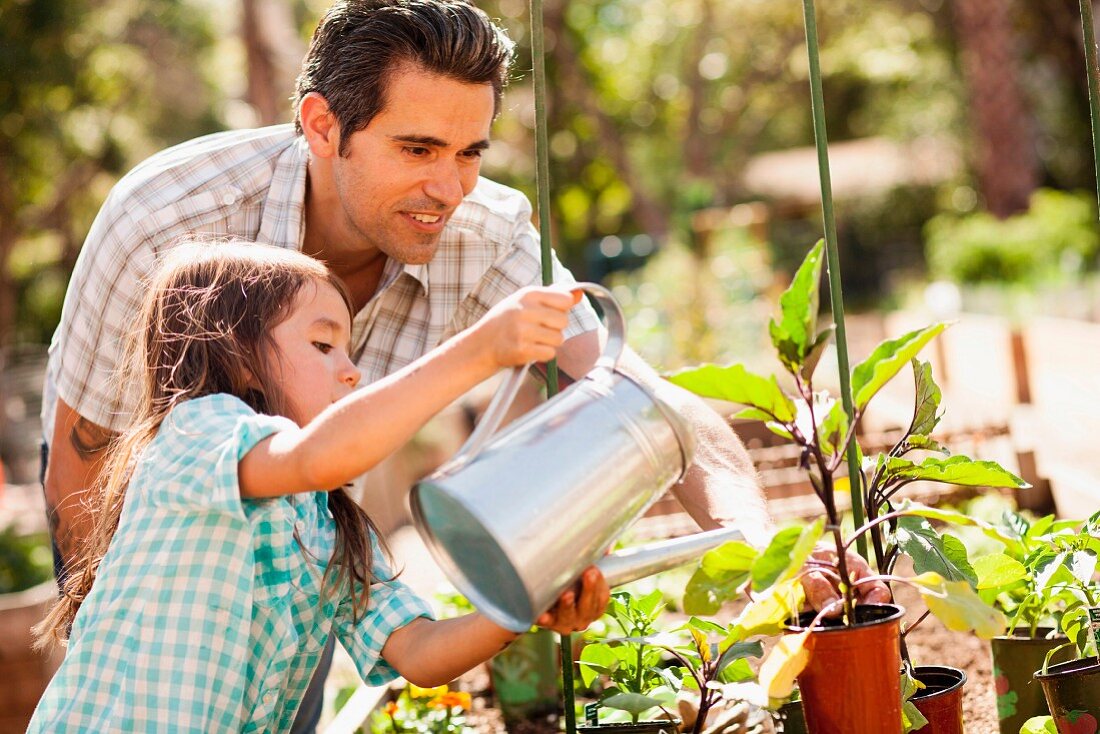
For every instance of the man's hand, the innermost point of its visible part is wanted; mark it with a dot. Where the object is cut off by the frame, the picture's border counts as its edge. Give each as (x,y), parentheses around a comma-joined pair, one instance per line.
(821,586)
(578,606)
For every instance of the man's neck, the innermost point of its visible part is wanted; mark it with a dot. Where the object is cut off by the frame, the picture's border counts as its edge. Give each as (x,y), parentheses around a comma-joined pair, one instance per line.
(328,238)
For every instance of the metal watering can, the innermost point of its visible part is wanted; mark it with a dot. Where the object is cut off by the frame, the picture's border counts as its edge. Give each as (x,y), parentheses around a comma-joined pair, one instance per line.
(516,516)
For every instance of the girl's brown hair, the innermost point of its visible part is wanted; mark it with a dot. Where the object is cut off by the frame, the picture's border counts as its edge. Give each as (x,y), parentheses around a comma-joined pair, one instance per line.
(205,328)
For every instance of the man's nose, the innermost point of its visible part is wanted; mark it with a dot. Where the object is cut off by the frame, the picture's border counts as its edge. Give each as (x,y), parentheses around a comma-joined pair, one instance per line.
(445,184)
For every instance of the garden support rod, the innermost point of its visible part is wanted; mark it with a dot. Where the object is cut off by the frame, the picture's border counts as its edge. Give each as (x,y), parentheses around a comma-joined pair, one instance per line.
(542,181)
(1089,32)
(836,296)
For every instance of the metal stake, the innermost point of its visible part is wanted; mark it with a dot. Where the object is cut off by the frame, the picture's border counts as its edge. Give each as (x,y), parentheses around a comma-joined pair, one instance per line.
(1089,32)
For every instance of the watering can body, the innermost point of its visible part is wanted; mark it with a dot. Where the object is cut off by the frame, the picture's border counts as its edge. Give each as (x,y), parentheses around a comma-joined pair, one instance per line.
(515,517)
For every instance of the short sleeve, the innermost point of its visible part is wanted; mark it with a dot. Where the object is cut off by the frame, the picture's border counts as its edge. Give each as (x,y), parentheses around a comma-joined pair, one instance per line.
(392,606)
(197,451)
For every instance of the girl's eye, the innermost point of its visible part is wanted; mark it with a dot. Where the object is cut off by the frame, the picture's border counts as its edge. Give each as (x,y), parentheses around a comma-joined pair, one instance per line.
(324,348)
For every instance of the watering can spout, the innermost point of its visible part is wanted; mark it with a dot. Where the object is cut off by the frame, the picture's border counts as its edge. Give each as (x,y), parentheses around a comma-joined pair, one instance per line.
(635,563)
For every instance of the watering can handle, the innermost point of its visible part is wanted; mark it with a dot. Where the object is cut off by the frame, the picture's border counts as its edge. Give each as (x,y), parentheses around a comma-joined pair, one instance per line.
(506,393)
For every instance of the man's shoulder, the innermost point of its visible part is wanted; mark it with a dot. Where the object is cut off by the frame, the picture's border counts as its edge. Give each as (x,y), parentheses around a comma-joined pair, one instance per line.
(239,159)
(492,210)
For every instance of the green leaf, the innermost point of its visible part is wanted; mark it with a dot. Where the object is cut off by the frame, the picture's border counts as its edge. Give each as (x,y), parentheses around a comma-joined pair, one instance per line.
(818,349)
(958,606)
(738,651)
(925,416)
(1009,539)
(719,577)
(998,569)
(1039,725)
(1082,565)
(706,626)
(833,429)
(919,540)
(886,361)
(596,659)
(925,443)
(784,556)
(737,671)
(737,385)
(632,703)
(960,470)
(795,333)
(734,555)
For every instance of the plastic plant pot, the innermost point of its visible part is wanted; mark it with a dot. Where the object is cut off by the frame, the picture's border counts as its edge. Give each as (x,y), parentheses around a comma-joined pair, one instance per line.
(851,684)
(790,719)
(1016,657)
(642,727)
(1073,695)
(941,698)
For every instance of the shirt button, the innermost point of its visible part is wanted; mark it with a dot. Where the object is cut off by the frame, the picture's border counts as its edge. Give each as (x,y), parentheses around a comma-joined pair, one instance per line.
(229,199)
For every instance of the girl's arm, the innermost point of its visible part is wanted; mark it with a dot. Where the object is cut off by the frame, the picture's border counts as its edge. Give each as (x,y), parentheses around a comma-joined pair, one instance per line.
(357,432)
(428,653)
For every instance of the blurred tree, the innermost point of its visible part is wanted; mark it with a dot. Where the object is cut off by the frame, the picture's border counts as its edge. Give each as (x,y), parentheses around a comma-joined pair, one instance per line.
(1004,129)
(88,88)
(274,52)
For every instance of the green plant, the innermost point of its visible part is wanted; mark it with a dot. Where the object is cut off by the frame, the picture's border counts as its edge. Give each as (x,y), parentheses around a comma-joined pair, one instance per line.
(1056,237)
(819,425)
(635,665)
(424,710)
(25,560)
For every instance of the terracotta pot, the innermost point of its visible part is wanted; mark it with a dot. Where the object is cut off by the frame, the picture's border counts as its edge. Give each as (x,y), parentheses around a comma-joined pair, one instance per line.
(24,672)
(852,685)
(1015,660)
(941,698)
(642,727)
(1073,695)
(789,719)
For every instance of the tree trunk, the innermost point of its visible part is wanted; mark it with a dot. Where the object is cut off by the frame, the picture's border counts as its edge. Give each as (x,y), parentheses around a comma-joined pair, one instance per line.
(273,51)
(1003,130)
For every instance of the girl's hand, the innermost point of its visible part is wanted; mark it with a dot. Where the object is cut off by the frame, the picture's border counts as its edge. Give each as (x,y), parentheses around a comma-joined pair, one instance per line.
(578,606)
(526,326)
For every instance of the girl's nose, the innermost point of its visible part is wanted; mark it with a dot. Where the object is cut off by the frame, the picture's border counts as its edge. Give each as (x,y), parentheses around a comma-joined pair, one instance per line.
(350,374)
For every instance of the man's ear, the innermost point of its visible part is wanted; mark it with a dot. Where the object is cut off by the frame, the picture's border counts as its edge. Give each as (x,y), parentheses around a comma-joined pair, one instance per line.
(319,126)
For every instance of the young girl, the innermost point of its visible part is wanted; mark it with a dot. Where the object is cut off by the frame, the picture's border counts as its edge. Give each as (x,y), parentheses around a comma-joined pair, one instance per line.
(225,552)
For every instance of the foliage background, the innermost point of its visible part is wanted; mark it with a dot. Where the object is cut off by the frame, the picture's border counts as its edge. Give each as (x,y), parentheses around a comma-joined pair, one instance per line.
(657,109)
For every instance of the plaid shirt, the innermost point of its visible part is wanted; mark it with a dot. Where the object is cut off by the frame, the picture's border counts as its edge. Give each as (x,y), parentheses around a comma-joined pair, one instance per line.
(206,615)
(251,184)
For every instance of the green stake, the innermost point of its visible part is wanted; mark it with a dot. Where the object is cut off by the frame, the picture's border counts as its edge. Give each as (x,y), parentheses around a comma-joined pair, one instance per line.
(1094,94)
(542,179)
(836,296)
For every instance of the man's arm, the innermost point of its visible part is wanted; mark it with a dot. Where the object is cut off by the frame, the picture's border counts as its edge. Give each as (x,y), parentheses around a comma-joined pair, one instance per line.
(77,449)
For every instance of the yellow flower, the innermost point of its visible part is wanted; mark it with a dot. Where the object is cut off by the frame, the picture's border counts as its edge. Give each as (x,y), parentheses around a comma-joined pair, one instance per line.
(452,699)
(418,692)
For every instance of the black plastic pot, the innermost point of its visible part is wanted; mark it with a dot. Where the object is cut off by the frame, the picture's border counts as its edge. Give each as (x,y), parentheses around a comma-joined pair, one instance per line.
(790,719)
(941,698)
(1015,660)
(642,727)
(1073,695)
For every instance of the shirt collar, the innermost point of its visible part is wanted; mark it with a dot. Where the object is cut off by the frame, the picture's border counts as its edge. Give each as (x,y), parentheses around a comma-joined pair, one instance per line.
(283,219)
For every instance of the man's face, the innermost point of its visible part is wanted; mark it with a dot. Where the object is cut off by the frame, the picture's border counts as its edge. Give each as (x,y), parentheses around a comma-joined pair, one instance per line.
(408,170)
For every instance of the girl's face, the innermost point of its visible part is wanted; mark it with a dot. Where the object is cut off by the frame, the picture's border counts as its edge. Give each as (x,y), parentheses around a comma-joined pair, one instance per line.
(314,367)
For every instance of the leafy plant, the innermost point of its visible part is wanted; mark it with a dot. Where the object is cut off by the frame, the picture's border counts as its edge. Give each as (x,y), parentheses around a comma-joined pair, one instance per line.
(635,664)
(25,560)
(821,427)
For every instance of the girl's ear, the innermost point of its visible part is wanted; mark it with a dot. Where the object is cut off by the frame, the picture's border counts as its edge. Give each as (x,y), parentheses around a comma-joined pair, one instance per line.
(249,378)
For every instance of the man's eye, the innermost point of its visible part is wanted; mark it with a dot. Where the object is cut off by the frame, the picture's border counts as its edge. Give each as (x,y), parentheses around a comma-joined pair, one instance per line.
(416,151)
(472,154)
(324,348)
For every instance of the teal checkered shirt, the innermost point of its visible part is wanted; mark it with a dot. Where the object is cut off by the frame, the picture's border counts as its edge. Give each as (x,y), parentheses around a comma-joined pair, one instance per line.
(207,615)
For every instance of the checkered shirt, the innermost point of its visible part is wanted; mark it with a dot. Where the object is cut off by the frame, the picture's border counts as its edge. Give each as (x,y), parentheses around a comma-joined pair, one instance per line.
(251,184)
(207,615)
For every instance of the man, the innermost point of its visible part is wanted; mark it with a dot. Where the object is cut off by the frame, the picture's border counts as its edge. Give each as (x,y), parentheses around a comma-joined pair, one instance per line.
(378,178)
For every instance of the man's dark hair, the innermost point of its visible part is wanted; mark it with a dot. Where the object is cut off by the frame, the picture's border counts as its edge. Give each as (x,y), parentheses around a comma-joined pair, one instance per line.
(359,44)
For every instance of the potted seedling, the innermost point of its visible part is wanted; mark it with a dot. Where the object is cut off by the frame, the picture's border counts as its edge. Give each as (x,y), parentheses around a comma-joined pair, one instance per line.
(645,667)
(1020,580)
(1072,688)
(635,682)
(848,667)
